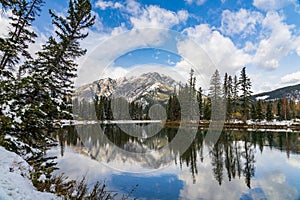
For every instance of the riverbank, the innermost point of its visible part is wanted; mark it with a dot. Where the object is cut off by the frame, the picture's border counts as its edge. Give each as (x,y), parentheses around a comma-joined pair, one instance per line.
(288,125)
(15,180)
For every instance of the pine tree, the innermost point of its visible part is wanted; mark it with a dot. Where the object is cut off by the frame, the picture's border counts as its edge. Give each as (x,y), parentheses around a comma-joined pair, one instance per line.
(253,112)
(215,90)
(245,86)
(269,113)
(280,115)
(52,72)
(8,3)
(216,97)
(225,85)
(259,110)
(235,94)
(13,47)
(207,109)
(16,44)
(228,94)
(200,101)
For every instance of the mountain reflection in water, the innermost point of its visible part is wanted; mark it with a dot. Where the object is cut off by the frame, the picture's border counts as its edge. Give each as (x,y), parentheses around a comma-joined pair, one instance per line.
(267,163)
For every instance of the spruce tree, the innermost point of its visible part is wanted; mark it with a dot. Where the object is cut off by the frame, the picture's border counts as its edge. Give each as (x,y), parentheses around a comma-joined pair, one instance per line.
(13,48)
(269,113)
(259,110)
(235,94)
(280,115)
(215,90)
(245,87)
(53,71)
(216,97)
(253,112)
(20,35)
(200,101)
(228,94)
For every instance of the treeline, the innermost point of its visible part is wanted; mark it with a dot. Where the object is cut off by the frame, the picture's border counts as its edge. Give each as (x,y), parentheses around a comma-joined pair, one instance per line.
(35,90)
(101,109)
(236,94)
(189,103)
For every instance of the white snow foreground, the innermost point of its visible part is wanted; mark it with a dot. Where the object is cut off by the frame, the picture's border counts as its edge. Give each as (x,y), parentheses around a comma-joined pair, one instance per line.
(14,179)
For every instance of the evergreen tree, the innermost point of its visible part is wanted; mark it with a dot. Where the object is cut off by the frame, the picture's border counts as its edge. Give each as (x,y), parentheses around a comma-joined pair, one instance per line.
(253,112)
(8,3)
(50,84)
(215,90)
(228,93)
(259,110)
(235,94)
(225,85)
(200,101)
(13,47)
(20,35)
(245,86)
(216,97)
(280,115)
(207,109)
(269,113)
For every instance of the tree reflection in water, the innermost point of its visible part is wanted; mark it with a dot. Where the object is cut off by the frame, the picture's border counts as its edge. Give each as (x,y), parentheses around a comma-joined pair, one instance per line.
(233,156)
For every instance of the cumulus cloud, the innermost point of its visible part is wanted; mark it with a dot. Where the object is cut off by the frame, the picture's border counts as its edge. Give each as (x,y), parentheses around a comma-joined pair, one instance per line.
(269,5)
(103,5)
(279,43)
(156,17)
(198,2)
(291,78)
(109,47)
(220,49)
(243,21)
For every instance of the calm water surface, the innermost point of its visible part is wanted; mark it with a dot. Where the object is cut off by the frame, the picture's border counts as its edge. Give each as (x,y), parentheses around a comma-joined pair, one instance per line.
(242,165)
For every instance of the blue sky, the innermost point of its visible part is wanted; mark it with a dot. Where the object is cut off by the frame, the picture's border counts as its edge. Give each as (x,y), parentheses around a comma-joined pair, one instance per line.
(263,35)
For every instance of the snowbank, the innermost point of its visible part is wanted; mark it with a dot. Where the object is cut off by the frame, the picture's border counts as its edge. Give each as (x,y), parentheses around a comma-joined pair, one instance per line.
(14,179)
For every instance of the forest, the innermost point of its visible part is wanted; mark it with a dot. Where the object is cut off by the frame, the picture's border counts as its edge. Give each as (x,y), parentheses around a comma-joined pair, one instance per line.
(235,93)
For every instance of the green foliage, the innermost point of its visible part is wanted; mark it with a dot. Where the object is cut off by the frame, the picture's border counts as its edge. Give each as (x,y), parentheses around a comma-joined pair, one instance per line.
(269,113)
(200,101)
(215,90)
(259,111)
(245,86)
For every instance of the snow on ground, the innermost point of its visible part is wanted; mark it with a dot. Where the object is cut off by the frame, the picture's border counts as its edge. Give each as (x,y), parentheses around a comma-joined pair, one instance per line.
(262,97)
(273,122)
(14,179)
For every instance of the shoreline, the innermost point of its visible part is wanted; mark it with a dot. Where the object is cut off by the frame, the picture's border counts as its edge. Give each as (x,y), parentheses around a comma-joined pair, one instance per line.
(289,125)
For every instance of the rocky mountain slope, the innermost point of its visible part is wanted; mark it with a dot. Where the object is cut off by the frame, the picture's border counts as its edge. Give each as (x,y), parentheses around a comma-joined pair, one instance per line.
(144,88)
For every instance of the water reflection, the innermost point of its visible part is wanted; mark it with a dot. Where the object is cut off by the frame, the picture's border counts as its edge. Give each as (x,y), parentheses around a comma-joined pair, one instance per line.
(238,155)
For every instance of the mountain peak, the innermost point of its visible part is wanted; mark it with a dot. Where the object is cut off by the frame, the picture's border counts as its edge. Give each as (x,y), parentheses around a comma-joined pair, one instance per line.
(134,88)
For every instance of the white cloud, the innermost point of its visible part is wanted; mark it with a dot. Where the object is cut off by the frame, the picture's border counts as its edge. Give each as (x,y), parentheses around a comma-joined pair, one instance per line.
(220,49)
(278,44)
(108,4)
(105,48)
(156,17)
(291,78)
(98,22)
(243,21)
(133,7)
(198,2)
(269,5)
(4,22)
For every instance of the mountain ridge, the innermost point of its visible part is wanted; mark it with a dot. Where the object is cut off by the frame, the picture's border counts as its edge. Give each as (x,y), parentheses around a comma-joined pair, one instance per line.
(143,88)
(290,92)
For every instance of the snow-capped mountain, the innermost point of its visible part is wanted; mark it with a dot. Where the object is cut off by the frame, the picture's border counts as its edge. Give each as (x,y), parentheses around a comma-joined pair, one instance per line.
(290,92)
(143,88)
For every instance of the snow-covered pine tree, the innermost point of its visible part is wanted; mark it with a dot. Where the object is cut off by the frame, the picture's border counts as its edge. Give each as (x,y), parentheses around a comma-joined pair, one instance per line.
(50,84)
(13,48)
